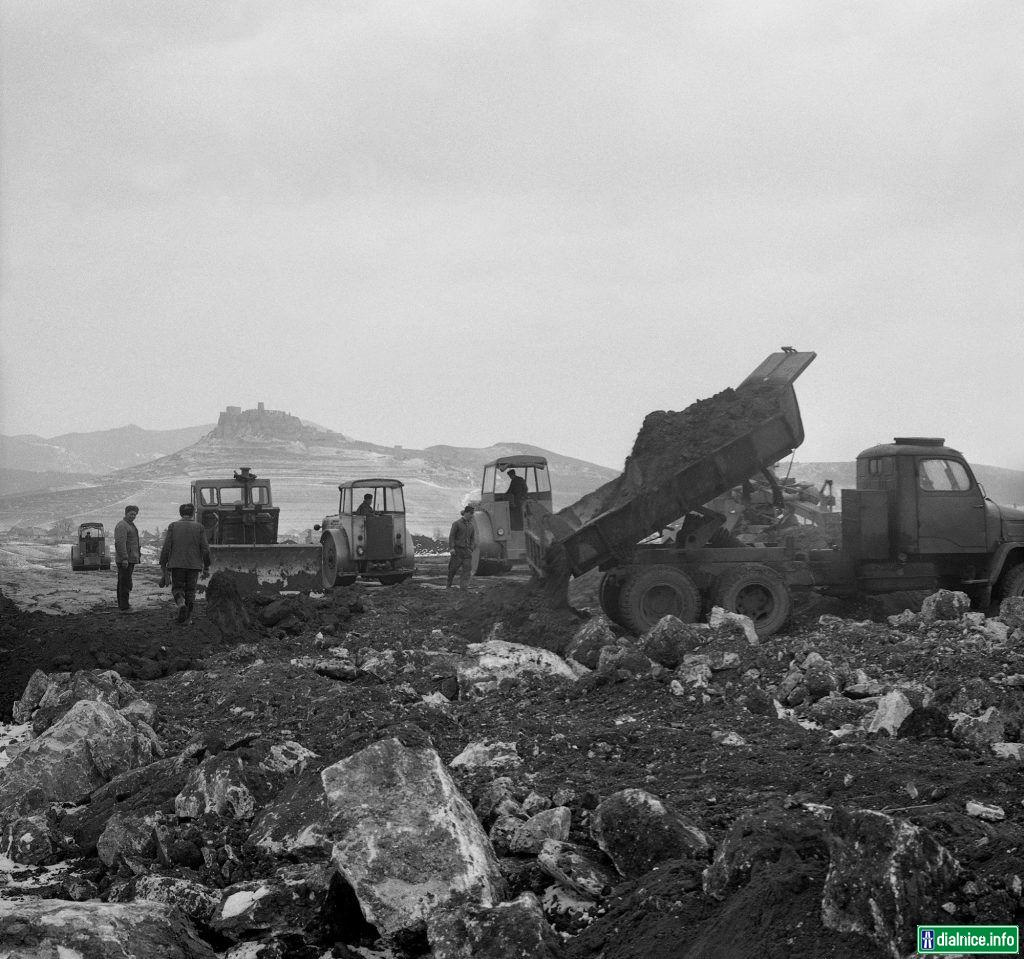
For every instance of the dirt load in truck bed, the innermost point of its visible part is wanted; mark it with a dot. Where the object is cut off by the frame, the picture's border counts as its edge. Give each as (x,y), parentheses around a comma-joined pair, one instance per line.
(668,441)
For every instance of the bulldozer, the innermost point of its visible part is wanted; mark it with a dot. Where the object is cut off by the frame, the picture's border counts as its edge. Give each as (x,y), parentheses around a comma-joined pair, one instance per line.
(500,534)
(241,524)
(367,537)
(91,551)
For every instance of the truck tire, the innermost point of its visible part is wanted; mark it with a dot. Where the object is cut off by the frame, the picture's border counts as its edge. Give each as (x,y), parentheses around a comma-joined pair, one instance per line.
(756,591)
(650,592)
(608,592)
(1012,582)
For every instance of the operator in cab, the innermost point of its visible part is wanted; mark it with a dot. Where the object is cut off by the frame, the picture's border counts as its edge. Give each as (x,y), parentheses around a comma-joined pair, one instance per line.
(365,508)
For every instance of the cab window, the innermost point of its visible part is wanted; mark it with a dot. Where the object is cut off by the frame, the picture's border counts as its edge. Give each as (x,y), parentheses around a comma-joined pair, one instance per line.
(943,476)
(490,475)
(258,495)
(208,496)
(231,495)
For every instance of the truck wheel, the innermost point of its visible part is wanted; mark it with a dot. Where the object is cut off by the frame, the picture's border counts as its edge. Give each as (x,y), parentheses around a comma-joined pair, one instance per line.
(608,593)
(651,592)
(756,591)
(328,562)
(1012,583)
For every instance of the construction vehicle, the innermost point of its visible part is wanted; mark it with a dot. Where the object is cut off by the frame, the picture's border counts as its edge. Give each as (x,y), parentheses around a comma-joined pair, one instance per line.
(366,541)
(917,520)
(241,523)
(500,535)
(90,552)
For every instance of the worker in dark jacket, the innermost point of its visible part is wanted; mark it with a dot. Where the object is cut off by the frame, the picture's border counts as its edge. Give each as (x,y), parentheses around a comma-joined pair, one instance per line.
(365,508)
(516,491)
(185,552)
(126,555)
(461,543)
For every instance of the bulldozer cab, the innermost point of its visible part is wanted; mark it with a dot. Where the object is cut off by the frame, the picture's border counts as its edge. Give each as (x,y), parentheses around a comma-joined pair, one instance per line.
(90,552)
(514,480)
(236,511)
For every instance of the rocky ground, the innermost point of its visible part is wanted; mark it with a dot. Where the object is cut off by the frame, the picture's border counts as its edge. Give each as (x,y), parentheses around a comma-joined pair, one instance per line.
(417,772)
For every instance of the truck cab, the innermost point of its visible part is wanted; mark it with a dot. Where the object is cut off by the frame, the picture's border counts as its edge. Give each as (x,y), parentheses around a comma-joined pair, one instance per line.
(367,537)
(919,517)
(501,540)
(236,511)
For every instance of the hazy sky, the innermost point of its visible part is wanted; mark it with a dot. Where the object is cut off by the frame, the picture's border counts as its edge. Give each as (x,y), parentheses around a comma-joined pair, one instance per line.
(470,222)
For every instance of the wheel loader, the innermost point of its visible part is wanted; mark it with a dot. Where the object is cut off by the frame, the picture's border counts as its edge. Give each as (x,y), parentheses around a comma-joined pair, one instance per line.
(500,531)
(241,523)
(91,551)
(917,520)
(367,537)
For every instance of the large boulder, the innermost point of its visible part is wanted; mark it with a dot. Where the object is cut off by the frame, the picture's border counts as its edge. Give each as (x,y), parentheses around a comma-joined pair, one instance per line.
(885,875)
(946,604)
(195,900)
(404,837)
(585,645)
(128,840)
(576,867)
(757,839)
(551,823)
(218,785)
(294,900)
(1011,612)
(496,661)
(86,747)
(636,830)
(60,691)
(48,928)
(670,639)
(297,824)
(508,930)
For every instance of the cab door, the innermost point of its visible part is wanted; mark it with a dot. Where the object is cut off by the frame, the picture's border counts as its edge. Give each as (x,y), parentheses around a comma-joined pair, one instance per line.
(950,508)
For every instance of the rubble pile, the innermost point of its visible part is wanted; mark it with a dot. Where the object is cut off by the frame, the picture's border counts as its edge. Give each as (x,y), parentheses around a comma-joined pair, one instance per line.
(392,775)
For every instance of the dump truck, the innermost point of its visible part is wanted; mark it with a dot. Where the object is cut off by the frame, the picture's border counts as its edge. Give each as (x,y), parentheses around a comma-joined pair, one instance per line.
(241,523)
(917,520)
(500,531)
(368,541)
(91,551)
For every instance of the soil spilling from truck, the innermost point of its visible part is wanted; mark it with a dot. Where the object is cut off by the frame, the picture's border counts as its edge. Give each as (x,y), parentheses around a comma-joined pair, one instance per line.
(667,443)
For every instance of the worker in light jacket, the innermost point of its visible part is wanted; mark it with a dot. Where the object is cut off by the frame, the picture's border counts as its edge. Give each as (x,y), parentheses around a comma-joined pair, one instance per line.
(126,556)
(185,552)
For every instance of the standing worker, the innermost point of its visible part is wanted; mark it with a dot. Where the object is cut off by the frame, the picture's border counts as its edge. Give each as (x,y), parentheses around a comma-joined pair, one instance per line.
(126,555)
(516,491)
(185,552)
(461,543)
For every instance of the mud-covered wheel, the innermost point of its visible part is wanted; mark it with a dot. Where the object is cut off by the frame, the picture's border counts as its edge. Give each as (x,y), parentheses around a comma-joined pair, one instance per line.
(651,592)
(756,591)
(328,562)
(1012,582)
(608,592)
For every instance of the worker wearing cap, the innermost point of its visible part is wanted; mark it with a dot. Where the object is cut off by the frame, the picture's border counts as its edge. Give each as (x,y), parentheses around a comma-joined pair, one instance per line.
(365,508)
(126,555)
(461,543)
(185,552)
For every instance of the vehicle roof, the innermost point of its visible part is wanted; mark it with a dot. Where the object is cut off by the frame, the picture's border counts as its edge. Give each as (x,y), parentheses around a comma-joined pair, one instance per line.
(504,462)
(225,483)
(388,483)
(910,449)
(90,524)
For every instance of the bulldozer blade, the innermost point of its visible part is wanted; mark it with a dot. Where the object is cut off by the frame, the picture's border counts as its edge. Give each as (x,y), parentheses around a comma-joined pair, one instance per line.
(270,568)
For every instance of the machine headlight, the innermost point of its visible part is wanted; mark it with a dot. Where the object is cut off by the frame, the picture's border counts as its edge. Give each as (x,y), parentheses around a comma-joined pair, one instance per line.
(501,531)
(360,551)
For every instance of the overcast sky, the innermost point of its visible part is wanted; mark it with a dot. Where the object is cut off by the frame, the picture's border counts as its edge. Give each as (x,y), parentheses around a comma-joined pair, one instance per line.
(471,222)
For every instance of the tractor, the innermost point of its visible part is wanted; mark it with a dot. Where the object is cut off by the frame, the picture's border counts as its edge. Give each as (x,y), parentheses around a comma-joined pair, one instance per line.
(90,552)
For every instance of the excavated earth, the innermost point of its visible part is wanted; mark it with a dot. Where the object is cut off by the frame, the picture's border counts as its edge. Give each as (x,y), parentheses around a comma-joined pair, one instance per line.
(749,735)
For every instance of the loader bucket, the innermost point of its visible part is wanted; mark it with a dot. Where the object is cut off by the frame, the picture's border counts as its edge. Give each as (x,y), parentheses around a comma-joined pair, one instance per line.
(287,567)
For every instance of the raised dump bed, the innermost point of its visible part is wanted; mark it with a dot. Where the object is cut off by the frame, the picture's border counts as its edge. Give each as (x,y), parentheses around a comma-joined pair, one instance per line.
(680,462)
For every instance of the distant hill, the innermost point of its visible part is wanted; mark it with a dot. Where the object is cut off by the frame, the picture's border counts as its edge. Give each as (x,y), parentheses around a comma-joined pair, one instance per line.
(305,464)
(100,452)
(23,481)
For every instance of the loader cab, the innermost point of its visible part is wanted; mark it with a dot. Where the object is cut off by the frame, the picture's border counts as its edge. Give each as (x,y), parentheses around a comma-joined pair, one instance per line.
(498,480)
(369,541)
(236,511)
(917,497)
(90,551)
